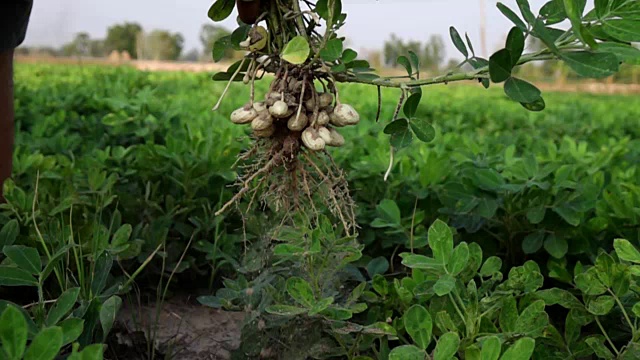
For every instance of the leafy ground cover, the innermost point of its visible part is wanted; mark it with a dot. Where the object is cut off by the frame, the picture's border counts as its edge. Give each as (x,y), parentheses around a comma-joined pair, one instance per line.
(498,235)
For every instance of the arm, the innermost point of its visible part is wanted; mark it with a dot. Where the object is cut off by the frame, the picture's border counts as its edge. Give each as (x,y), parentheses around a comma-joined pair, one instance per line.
(6,116)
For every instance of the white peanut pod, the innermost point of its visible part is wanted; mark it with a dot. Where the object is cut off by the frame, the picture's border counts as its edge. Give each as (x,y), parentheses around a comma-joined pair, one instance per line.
(325,99)
(243,115)
(262,121)
(312,140)
(323,119)
(259,106)
(325,134)
(336,140)
(345,114)
(297,123)
(279,109)
(265,133)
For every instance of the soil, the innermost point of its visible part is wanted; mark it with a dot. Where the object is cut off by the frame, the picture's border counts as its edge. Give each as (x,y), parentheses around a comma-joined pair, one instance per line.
(182,329)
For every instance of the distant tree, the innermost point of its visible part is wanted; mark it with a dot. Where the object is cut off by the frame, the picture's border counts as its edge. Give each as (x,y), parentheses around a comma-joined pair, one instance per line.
(97,48)
(434,53)
(163,45)
(122,37)
(209,34)
(191,55)
(79,46)
(392,49)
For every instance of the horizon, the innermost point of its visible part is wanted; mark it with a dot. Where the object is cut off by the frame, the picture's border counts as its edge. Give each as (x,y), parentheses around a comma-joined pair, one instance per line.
(55,22)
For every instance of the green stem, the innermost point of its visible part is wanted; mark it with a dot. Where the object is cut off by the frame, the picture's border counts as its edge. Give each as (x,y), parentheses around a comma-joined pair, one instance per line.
(606,336)
(624,312)
(480,73)
(464,321)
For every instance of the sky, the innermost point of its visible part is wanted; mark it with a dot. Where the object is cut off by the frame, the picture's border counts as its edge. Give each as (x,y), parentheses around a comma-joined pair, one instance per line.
(369,22)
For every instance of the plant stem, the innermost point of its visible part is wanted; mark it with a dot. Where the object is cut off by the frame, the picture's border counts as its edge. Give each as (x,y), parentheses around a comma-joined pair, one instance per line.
(624,312)
(606,336)
(480,73)
(464,321)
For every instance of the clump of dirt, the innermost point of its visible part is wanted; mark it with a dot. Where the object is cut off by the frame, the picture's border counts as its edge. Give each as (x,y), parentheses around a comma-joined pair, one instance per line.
(179,329)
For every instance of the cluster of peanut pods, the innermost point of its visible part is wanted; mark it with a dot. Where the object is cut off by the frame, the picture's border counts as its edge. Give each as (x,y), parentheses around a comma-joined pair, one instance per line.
(316,119)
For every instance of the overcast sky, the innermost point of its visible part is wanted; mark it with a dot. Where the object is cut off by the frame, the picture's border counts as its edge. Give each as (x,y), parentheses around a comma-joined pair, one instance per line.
(54,22)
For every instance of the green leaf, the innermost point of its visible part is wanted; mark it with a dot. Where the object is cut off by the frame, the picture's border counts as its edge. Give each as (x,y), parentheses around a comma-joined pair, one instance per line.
(349,55)
(533,320)
(379,265)
(396,126)
(515,45)
(321,306)
(53,261)
(419,325)
(400,140)
(553,12)
(220,47)
(624,53)
(9,233)
(108,313)
(447,346)
(491,266)
(421,262)
(441,241)
(537,105)
(487,179)
(491,348)
(404,61)
(560,297)
(122,235)
(297,51)
(525,9)
(625,251)
(285,310)
(520,350)
(623,30)
(569,214)
(500,66)
(444,285)
(466,35)
(601,305)
(533,242)
(459,259)
(423,130)
(599,348)
(589,283)
(13,332)
(457,41)
(26,258)
(521,91)
(415,60)
(71,330)
(300,291)
(332,51)
(101,272)
(411,105)
(556,247)
(591,64)
(46,345)
(406,352)
(221,10)
(506,11)
(508,314)
(63,305)
(13,276)
(389,211)
(574,10)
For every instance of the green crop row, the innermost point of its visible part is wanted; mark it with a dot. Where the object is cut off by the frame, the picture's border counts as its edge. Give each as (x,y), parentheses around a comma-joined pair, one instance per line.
(114,164)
